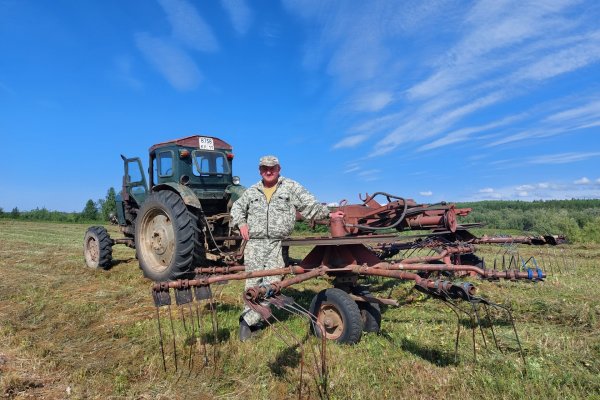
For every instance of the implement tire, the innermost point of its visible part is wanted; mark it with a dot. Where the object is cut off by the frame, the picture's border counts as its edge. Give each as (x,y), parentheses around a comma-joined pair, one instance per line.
(165,237)
(339,315)
(369,312)
(97,248)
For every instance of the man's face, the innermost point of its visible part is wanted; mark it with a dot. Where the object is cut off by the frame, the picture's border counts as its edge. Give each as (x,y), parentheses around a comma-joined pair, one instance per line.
(269,175)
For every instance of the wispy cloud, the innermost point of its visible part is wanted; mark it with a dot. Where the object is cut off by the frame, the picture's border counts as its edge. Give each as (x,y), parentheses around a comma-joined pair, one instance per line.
(372,101)
(350,141)
(542,190)
(370,175)
(491,53)
(563,158)
(171,55)
(582,181)
(170,60)
(124,72)
(562,61)
(239,13)
(188,26)
(464,134)
(426,193)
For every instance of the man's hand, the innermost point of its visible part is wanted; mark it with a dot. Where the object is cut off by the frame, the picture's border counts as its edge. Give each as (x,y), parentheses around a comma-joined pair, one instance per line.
(336,214)
(245,232)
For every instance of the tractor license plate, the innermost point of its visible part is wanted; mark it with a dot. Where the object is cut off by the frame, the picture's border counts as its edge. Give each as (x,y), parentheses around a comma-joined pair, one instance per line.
(206,143)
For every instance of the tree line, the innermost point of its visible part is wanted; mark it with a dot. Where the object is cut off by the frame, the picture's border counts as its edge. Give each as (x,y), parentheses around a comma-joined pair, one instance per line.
(93,211)
(578,219)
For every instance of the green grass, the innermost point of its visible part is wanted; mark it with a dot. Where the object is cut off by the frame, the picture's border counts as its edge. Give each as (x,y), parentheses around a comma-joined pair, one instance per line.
(70,332)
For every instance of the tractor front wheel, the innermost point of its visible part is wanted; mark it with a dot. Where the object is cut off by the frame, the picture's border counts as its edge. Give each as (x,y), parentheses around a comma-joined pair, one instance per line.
(97,248)
(339,316)
(165,237)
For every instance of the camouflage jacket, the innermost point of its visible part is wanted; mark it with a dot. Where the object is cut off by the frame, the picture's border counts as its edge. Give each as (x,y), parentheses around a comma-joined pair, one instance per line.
(276,219)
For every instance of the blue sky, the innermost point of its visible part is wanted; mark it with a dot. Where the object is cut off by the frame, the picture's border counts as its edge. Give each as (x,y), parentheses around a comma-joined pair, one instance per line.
(436,100)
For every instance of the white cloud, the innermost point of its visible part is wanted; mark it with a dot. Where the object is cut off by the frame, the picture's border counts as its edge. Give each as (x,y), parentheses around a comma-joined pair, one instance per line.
(598,180)
(563,61)
(486,190)
(427,193)
(522,188)
(351,168)
(172,62)
(538,191)
(370,175)
(563,158)
(188,26)
(351,141)
(488,53)
(240,14)
(124,72)
(464,134)
(582,181)
(372,102)
(584,111)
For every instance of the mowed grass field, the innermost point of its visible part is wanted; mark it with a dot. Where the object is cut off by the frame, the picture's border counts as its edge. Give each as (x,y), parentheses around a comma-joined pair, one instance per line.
(67,331)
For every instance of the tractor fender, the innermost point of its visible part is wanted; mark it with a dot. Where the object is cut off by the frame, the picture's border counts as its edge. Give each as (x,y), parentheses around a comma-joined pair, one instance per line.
(188,196)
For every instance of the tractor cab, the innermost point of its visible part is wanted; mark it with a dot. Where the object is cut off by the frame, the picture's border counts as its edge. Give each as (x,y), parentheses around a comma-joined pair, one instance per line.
(200,163)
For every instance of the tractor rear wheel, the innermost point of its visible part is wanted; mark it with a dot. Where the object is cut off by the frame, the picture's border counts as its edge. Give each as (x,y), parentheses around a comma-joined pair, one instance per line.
(165,237)
(97,248)
(338,314)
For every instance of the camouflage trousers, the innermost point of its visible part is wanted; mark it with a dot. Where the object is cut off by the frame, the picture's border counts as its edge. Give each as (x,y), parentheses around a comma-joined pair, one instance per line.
(260,255)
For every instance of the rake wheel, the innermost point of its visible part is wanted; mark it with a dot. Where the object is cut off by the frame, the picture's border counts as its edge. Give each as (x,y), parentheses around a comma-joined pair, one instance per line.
(338,314)
(165,237)
(370,313)
(97,248)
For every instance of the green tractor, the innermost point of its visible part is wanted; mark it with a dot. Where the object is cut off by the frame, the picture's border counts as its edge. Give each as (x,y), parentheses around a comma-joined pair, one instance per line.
(177,219)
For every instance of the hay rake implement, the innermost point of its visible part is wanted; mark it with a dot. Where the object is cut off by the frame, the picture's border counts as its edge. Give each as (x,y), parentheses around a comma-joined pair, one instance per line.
(361,245)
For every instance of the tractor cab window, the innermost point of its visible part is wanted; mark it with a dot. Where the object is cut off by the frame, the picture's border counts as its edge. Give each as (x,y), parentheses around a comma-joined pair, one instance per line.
(136,180)
(165,163)
(210,163)
(134,172)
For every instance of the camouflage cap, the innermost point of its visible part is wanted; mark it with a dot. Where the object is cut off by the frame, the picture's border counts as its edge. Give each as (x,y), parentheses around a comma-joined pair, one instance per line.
(268,161)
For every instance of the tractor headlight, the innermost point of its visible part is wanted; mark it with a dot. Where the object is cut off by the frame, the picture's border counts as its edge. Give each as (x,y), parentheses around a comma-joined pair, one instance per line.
(236,180)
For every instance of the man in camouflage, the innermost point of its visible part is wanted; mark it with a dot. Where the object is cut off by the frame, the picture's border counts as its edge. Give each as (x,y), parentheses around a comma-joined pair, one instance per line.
(265,214)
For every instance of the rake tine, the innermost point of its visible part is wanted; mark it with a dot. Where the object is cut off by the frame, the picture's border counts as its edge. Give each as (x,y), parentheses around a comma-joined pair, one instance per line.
(300,311)
(173,332)
(215,326)
(161,298)
(512,322)
(470,315)
(457,330)
(487,312)
(202,343)
(558,264)
(192,339)
(549,259)
(160,341)
(476,313)
(298,345)
(256,307)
